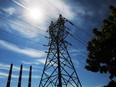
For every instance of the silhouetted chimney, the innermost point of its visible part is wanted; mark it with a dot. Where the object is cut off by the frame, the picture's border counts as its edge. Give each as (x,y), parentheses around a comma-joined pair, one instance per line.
(29,81)
(20,76)
(9,76)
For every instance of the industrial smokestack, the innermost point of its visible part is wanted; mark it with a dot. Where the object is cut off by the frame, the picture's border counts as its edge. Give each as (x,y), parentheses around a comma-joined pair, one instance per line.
(20,76)
(9,76)
(29,81)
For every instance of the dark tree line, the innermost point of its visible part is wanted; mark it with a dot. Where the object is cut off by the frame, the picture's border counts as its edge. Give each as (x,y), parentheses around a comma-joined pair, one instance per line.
(102,48)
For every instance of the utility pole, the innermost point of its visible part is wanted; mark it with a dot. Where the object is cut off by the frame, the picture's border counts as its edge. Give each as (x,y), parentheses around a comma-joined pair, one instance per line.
(59,70)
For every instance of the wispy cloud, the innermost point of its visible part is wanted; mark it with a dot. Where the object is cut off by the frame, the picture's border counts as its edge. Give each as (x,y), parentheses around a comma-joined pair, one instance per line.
(35,63)
(41,61)
(4,66)
(74,52)
(15,68)
(5,75)
(27,30)
(10,10)
(51,7)
(61,7)
(26,51)
(77,50)
(76,63)
(30,63)
(33,76)
(100,85)
(50,11)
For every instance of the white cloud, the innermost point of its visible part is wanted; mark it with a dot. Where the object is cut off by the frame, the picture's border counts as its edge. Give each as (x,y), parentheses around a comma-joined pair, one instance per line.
(75,52)
(30,63)
(100,85)
(15,68)
(4,75)
(27,51)
(10,10)
(33,76)
(61,7)
(4,65)
(27,30)
(35,64)
(50,7)
(42,61)
(50,10)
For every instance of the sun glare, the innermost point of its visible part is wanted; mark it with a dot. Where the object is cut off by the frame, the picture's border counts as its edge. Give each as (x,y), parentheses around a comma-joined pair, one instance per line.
(35,14)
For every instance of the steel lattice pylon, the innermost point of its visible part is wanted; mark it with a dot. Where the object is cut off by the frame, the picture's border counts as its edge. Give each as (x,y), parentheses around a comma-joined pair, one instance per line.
(59,70)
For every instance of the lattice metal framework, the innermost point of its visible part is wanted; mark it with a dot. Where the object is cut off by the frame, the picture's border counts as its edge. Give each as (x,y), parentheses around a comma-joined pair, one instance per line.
(59,70)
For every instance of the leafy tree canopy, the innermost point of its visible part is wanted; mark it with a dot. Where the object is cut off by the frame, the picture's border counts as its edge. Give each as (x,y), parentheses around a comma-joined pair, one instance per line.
(111,84)
(102,47)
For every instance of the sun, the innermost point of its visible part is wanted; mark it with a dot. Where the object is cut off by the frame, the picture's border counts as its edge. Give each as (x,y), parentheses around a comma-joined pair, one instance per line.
(35,14)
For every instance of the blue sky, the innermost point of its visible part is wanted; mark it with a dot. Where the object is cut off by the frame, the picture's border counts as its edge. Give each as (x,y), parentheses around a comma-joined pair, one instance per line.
(22,36)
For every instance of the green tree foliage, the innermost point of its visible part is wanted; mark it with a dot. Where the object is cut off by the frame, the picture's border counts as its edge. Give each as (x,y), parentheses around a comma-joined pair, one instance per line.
(111,84)
(102,47)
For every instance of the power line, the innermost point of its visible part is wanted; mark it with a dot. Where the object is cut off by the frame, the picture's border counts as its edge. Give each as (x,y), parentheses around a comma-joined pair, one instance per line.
(75,37)
(53,5)
(79,28)
(23,27)
(59,59)
(80,60)
(23,21)
(21,37)
(79,40)
(17,43)
(24,7)
(57,10)
(77,49)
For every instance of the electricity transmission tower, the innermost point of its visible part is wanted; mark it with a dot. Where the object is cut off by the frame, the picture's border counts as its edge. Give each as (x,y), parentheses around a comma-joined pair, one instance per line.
(59,70)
